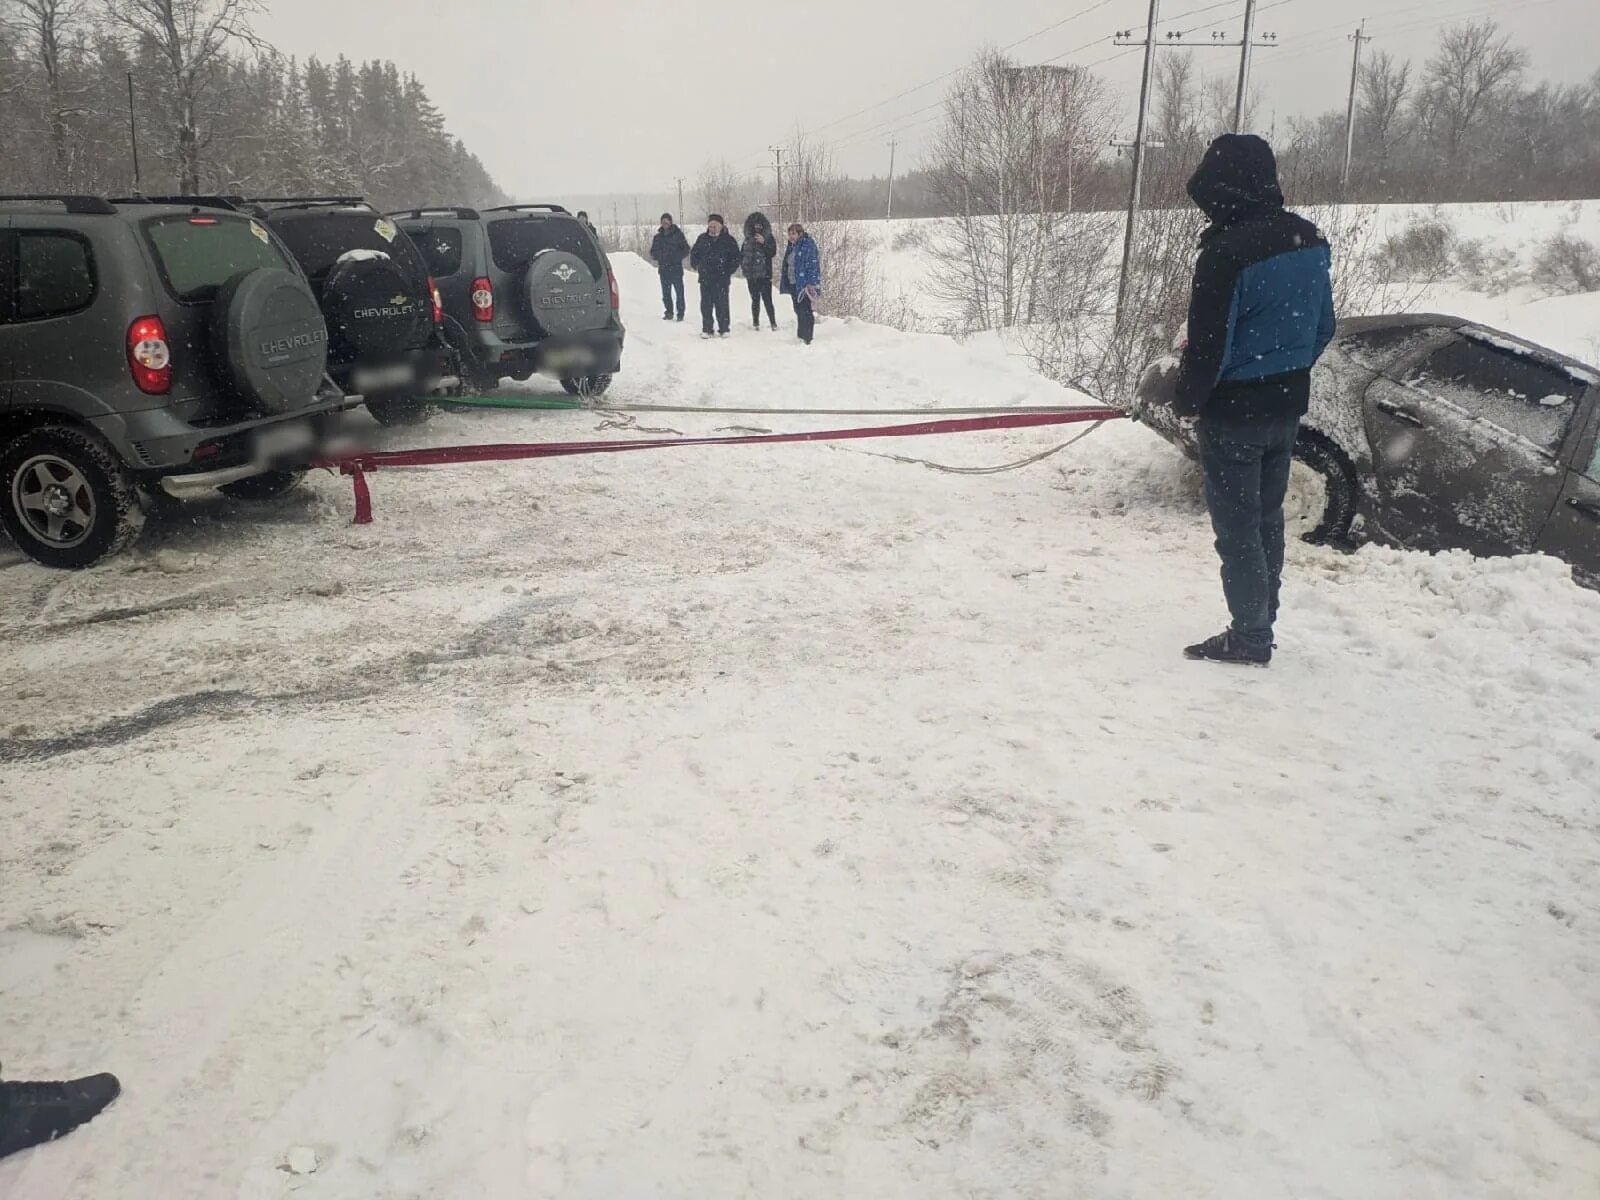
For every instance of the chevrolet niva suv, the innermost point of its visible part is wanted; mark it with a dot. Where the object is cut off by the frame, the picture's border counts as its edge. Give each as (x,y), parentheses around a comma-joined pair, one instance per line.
(147,345)
(385,341)
(525,288)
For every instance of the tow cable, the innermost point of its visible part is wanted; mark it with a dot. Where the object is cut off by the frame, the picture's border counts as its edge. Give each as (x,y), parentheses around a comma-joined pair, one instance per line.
(358,465)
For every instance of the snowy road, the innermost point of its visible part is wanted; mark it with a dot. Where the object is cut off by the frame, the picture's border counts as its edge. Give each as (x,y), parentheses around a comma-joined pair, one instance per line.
(795,822)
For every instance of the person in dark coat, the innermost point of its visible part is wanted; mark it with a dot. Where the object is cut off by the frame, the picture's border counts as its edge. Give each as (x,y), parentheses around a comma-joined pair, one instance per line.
(760,248)
(802,279)
(715,258)
(588,224)
(668,249)
(1260,315)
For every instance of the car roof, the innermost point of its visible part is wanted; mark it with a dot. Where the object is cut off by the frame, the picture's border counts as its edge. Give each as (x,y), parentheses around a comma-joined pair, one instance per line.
(1399,321)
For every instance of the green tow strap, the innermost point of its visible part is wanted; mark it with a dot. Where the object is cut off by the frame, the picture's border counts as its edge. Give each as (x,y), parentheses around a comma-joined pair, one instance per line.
(513,400)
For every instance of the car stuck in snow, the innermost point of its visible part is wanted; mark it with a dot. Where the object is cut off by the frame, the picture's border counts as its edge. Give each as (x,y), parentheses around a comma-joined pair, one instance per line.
(1433,433)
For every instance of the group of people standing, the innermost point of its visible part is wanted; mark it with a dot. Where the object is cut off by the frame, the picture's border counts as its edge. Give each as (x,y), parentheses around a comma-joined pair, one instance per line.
(715,257)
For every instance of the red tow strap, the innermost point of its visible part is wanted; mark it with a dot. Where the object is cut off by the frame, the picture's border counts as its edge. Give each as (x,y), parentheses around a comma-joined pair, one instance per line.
(357,466)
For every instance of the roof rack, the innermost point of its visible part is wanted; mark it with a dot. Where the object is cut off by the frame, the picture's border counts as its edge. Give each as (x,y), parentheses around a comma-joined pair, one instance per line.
(310,201)
(94,205)
(436,210)
(555,208)
(229,202)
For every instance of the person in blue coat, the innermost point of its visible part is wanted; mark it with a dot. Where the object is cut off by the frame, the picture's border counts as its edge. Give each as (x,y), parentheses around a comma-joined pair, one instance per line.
(1260,316)
(802,279)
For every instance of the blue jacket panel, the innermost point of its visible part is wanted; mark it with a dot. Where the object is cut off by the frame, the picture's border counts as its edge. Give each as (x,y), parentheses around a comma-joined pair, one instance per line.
(802,266)
(1281,319)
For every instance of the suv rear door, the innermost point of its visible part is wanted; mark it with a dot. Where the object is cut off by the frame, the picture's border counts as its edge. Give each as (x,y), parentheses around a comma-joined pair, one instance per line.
(514,242)
(195,253)
(1466,441)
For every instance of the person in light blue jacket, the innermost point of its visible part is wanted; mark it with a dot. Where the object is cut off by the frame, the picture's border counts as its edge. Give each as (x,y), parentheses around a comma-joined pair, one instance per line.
(802,279)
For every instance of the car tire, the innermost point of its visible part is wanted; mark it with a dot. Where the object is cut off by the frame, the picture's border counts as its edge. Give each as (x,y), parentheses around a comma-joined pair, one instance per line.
(268,485)
(399,411)
(1330,512)
(65,499)
(586,387)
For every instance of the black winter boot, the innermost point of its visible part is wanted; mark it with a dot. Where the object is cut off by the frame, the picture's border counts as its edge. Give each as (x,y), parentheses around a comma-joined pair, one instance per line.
(1226,648)
(34,1113)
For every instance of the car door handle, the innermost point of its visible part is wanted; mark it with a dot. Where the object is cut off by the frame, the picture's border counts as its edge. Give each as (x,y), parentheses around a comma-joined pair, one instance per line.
(1586,507)
(1406,416)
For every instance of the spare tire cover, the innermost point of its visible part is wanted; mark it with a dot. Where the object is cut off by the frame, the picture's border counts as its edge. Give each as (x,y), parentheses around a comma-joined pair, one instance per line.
(374,311)
(269,340)
(563,295)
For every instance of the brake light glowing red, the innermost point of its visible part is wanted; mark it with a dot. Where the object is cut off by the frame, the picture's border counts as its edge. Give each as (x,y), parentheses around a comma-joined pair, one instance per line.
(483,298)
(438,304)
(202,220)
(149,356)
(616,296)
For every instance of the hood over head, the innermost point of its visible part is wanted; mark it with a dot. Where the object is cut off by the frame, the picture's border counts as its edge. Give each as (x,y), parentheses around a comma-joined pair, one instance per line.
(1238,174)
(757,222)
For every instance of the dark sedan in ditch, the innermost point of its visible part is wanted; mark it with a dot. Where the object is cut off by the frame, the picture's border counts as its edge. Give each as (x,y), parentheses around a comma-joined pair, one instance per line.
(1434,433)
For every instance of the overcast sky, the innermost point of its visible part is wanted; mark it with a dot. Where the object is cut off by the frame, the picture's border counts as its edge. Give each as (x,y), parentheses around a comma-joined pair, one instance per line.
(593,96)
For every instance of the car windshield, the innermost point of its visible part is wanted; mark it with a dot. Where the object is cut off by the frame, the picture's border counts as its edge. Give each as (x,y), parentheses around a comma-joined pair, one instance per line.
(198,254)
(319,241)
(515,240)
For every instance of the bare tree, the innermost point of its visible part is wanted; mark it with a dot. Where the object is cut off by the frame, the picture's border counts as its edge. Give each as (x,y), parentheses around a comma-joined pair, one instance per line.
(1384,86)
(191,38)
(1006,159)
(1473,64)
(43,27)
(723,190)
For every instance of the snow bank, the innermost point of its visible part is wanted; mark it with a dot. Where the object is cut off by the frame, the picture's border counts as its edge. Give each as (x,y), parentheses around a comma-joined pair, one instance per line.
(795,822)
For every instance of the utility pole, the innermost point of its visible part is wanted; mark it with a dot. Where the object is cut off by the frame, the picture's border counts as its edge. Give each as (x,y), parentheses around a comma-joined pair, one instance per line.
(679,178)
(777,162)
(1359,36)
(1138,155)
(133,137)
(888,212)
(1245,45)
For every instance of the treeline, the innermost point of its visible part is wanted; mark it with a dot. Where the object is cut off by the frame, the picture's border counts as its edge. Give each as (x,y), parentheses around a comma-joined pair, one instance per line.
(216,110)
(1465,124)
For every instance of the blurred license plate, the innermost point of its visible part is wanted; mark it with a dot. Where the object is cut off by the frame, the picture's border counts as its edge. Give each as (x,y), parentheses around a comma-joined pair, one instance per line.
(283,441)
(374,379)
(568,356)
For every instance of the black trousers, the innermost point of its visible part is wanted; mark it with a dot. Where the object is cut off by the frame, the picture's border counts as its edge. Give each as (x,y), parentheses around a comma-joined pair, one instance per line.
(805,319)
(713,301)
(672,281)
(761,293)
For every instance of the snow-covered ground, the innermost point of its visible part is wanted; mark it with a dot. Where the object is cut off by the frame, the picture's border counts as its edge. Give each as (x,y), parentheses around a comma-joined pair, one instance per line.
(795,822)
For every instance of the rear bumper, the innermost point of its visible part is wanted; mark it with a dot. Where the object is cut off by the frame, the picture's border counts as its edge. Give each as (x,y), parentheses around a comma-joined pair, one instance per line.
(416,372)
(598,352)
(157,442)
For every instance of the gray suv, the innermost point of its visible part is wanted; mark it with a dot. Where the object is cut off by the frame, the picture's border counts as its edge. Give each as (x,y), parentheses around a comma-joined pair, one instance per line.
(141,346)
(525,288)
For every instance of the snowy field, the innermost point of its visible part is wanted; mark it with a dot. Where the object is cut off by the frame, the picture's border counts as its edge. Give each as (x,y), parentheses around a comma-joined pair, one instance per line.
(795,822)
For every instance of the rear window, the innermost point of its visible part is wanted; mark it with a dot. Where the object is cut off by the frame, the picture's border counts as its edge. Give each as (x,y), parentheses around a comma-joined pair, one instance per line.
(318,241)
(197,255)
(441,250)
(515,240)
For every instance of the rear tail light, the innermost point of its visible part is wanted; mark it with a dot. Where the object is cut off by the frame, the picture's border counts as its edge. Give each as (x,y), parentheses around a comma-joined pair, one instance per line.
(483,299)
(149,356)
(438,305)
(616,296)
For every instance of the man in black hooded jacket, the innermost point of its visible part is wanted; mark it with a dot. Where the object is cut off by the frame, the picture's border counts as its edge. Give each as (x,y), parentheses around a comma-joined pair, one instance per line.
(1260,316)
(668,249)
